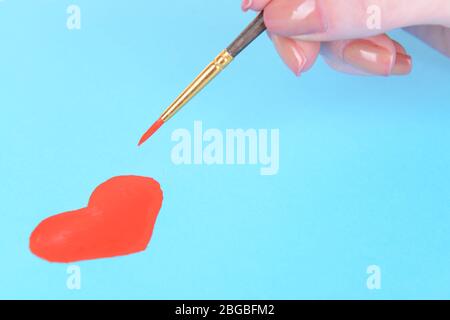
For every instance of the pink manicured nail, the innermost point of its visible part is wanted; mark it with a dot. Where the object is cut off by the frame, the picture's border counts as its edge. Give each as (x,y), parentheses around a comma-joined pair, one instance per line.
(369,57)
(291,53)
(399,47)
(246,4)
(403,65)
(294,17)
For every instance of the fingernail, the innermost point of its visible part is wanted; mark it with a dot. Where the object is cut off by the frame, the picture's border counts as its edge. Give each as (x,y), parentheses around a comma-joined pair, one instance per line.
(403,65)
(246,4)
(399,47)
(369,57)
(295,17)
(291,53)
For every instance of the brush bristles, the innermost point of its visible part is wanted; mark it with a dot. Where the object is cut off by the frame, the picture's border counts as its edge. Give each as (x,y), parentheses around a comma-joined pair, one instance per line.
(151,131)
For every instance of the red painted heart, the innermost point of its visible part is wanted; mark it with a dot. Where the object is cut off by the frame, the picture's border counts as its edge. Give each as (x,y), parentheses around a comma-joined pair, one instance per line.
(118,220)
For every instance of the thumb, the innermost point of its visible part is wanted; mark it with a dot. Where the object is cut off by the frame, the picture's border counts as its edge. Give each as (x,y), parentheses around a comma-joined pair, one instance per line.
(327,20)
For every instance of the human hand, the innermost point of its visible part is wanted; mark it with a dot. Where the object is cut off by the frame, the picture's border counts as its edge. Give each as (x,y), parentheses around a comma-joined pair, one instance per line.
(351,34)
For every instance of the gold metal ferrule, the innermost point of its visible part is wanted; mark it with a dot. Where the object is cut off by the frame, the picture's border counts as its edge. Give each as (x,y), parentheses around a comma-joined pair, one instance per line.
(209,73)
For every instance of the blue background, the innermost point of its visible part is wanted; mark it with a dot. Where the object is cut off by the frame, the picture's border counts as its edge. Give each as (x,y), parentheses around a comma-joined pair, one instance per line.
(364,162)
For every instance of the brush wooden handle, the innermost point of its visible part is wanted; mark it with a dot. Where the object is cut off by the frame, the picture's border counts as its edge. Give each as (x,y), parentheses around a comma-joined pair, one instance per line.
(254,29)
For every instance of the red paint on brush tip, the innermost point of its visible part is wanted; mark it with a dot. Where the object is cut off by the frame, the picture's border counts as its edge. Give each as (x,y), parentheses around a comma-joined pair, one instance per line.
(151,131)
(118,220)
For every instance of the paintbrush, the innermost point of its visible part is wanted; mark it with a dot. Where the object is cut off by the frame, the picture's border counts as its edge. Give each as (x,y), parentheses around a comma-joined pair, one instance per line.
(253,30)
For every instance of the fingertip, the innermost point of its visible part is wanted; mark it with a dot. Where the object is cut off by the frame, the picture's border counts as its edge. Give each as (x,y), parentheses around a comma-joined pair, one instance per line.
(292,56)
(398,47)
(255,5)
(246,5)
(374,55)
(299,56)
(297,18)
(403,65)
(403,62)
